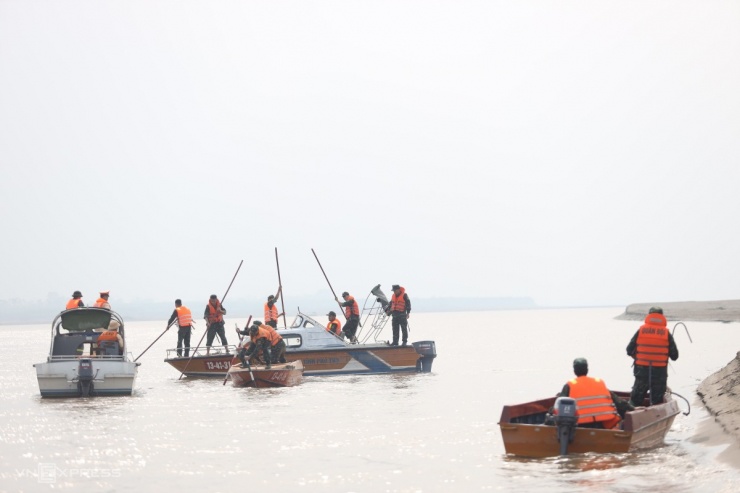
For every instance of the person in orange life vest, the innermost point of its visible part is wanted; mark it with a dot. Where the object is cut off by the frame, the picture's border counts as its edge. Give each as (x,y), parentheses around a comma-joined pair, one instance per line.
(277,344)
(214,317)
(110,335)
(271,311)
(650,347)
(259,340)
(352,314)
(76,301)
(597,406)
(102,302)
(334,326)
(400,309)
(184,319)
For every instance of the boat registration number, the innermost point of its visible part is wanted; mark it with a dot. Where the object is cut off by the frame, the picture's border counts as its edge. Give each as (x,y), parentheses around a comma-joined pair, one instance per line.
(218,365)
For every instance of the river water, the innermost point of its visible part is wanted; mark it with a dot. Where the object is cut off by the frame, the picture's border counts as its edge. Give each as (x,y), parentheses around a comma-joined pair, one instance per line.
(432,432)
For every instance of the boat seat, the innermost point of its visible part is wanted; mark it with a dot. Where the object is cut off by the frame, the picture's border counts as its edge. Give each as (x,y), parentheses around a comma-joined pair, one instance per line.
(109,348)
(67,344)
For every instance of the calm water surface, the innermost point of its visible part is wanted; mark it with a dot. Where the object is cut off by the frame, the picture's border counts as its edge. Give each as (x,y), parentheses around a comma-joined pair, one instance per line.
(412,433)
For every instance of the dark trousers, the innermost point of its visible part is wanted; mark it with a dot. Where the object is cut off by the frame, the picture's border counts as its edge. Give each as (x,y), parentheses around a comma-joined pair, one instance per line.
(399,320)
(653,379)
(183,338)
(278,352)
(272,323)
(213,330)
(350,328)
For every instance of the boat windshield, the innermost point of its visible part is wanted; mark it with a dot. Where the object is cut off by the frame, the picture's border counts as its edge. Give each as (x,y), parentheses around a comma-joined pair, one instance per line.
(85,319)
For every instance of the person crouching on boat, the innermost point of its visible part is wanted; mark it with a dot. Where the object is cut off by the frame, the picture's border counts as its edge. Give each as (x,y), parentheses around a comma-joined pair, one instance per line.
(277,345)
(334,326)
(352,314)
(597,407)
(260,340)
(214,317)
(651,346)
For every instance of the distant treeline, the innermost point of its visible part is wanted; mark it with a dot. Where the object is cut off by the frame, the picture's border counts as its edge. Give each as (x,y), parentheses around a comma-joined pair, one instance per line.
(43,311)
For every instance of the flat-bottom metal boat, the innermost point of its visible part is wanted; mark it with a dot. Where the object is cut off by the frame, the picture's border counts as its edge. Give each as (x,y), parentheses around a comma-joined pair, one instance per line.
(525,433)
(278,375)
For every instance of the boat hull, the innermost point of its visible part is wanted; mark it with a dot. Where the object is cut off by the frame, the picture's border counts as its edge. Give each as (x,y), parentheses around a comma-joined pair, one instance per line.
(525,434)
(279,375)
(59,378)
(354,359)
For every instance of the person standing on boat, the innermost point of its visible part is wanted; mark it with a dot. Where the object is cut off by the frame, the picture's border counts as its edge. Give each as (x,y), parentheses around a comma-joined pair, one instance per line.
(650,347)
(184,318)
(259,340)
(76,301)
(597,406)
(271,311)
(352,314)
(400,309)
(334,326)
(102,302)
(214,317)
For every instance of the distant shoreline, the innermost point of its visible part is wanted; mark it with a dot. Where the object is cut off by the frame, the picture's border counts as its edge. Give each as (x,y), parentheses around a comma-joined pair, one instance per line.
(695,311)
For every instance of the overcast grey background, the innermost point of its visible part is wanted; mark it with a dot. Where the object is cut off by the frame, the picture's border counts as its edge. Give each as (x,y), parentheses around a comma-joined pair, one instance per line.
(574,152)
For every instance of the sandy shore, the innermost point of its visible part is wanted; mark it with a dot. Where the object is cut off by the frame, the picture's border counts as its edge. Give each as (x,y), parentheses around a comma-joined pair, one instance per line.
(720,392)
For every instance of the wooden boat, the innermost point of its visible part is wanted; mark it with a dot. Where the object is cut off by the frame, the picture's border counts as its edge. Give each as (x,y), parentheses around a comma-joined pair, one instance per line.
(279,375)
(321,352)
(77,366)
(525,433)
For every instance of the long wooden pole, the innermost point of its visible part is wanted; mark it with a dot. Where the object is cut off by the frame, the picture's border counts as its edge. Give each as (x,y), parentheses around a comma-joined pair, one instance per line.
(327,281)
(206,331)
(280,283)
(246,327)
(155,340)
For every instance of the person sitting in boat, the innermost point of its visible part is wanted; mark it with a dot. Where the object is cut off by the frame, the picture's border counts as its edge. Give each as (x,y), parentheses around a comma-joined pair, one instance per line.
(102,302)
(259,340)
(110,342)
(352,314)
(271,311)
(76,301)
(334,326)
(597,407)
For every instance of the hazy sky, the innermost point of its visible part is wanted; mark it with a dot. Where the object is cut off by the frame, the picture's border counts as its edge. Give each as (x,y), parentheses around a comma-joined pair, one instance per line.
(580,153)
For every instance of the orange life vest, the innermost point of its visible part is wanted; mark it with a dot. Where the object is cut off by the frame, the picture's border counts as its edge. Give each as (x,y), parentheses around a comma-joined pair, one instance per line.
(73,303)
(398,303)
(271,313)
(338,324)
(214,313)
(652,341)
(593,401)
(108,335)
(274,337)
(353,309)
(101,303)
(261,332)
(184,317)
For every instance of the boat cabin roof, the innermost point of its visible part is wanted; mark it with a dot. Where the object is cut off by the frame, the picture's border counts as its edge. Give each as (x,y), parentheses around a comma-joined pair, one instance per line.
(307,333)
(86,319)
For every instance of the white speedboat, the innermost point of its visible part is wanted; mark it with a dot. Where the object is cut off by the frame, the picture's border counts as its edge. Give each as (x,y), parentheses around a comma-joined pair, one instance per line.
(79,366)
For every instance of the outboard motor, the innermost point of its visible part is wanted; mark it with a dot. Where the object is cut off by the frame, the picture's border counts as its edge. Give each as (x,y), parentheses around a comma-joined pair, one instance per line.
(380,296)
(428,351)
(566,418)
(85,377)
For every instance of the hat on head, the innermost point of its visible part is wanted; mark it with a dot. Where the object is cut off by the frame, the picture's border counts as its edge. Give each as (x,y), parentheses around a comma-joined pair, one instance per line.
(213,297)
(656,309)
(257,323)
(76,294)
(330,314)
(395,286)
(104,293)
(114,325)
(345,293)
(254,329)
